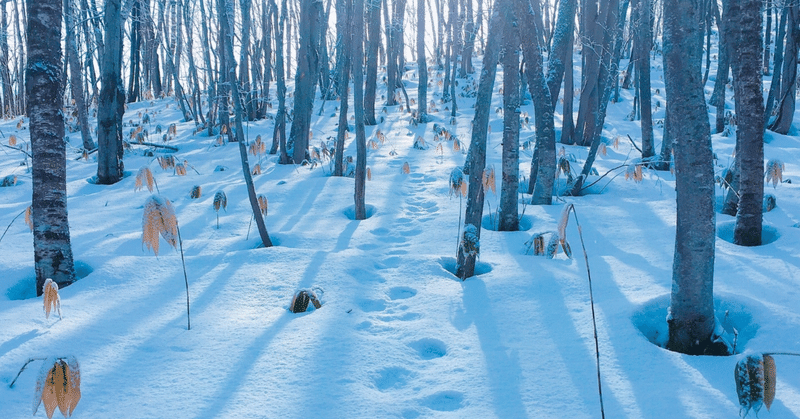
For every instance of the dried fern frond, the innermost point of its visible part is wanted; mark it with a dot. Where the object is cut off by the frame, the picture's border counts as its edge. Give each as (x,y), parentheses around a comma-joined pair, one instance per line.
(406,168)
(52,301)
(166,162)
(58,385)
(197,190)
(750,383)
(220,201)
(775,170)
(257,169)
(12,140)
(263,204)
(489,181)
(159,219)
(180,169)
(28,219)
(144,178)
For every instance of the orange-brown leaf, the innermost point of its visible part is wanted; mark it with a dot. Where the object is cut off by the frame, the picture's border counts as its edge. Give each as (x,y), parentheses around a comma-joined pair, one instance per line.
(769,380)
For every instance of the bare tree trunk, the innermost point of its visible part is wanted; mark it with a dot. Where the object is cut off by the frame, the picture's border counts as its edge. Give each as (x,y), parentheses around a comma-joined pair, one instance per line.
(45,87)
(280,118)
(244,61)
(723,68)
(777,64)
(210,81)
(786,104)
(422,67)
(767,36)
(358,104)
(89,42)
(134,81)
(197,106)
(561,52)
(19,12)
(568,121)
(305,78)
(343,18)
(465,265)
(373,41)
(643,43)
(508,212)
(5,72)
(393,70)
(112,100)
(691,321)
(469,41)
(744,31)
(225,13)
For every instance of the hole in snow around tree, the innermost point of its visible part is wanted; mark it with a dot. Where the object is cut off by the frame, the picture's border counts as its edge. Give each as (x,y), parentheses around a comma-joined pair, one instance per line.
(449,265)
(492,222)
(768,233)
(26,289)
(350,212)
(734,316)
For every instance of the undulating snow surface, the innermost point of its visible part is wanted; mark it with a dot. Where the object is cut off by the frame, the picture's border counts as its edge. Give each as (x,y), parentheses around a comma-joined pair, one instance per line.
(398,336)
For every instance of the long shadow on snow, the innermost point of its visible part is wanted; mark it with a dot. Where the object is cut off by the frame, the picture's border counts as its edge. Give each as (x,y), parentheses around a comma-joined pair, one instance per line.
(503,370)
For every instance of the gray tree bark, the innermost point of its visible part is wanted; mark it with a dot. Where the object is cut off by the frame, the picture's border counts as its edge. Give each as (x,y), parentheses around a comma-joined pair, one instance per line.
(422,67)
(691,319)
(111,106)
(44,88)
(76,82)
(744,31)
(343,19)
(786,103)
(643,43)
(306,78)
(358,104)
(373,42)
(508,212)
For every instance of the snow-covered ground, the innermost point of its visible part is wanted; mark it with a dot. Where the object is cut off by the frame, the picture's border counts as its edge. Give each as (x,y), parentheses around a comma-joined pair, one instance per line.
(398,335)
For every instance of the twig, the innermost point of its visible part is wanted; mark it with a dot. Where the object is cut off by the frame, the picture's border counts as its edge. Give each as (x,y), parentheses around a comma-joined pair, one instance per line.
(591,300)
(168,147)
(782,353)
(23,369)
(634,144)
(186,279)
(9,224)
(18,149)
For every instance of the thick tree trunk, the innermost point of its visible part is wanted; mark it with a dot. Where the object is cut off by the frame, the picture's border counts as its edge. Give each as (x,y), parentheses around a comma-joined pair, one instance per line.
(691,320)
(373,41)
(134,82)
(744,31)
(358,104)
(508,213)
(225,14)
(45,87)
(561,52)
(465,265)
(112,100)
(305,79)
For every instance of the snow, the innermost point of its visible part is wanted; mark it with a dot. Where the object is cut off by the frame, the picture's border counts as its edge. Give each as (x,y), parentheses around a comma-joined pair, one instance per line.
(398,335)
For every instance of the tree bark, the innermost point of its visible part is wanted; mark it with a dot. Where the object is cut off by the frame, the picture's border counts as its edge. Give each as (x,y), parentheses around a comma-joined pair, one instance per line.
(508,213)
(561,52)
(44,88)
(643,43)
(76,83)
(343,19)
(422,67)
(305,78)
(777,64)
(373,41)
(358,104)
(744,31)
(786,103)
(112,100)
(691,313)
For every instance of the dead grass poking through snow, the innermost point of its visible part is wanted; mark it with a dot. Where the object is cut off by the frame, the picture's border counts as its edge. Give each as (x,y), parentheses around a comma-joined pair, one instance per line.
(159,219)
(52,301)
(144,178)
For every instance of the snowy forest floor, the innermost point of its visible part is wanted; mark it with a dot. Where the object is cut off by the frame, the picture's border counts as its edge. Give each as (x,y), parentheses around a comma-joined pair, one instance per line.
(398,335)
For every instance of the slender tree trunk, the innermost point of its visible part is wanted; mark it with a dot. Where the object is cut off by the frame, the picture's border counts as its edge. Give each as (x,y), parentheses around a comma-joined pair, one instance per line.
(244,61)
(134,82)
(786,103)
(20,14)
(225,13)
(777,65)
(568,121)
(465,265)
(691,321)
(373,41)
(197,107)
(76,84)
(767,36)
(209,70)
(112,100)
(280,118)
(643,43)
(5,72)
(508,213)
(358,104)
(422,67)
(45,86)
(343,19)
(744,31)
(561,52)
(469,41)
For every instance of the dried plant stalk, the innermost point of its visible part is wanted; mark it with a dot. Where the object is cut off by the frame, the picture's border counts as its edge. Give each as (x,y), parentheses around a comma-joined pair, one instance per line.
(159,219)
(12,140)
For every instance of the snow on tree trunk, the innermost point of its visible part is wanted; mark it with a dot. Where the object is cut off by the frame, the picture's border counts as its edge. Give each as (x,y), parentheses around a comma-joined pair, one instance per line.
(44,81)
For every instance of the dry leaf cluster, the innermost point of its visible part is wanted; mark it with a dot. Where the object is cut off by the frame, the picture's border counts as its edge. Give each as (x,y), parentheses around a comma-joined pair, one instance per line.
(12,140)
(263,204)
(58,385)
(166,162)
(755,382)
(555,239)
(775,170)
(159,219)
(196,192)
(489,180)
(301,299)
(258,147)
(144,178)
(420,143)
(634,172)
(369,174)
(406,168)
(52,301)
(257,169)
(220,201)
(470,243)
(28,219)
(9,180)
(457,184)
